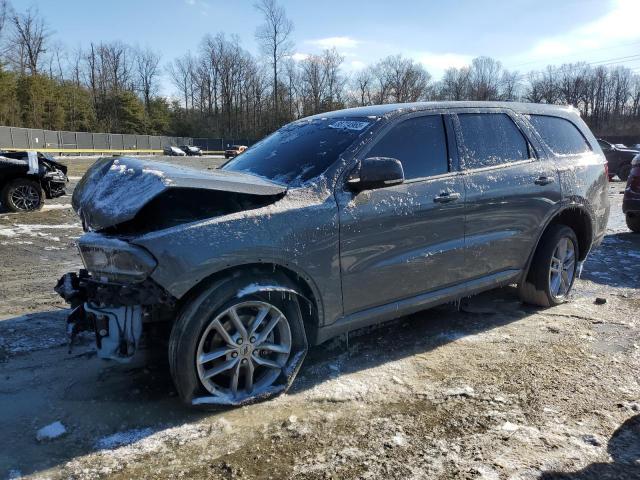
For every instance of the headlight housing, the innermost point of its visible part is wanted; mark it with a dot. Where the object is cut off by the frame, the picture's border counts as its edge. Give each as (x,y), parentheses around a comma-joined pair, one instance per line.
(113,260)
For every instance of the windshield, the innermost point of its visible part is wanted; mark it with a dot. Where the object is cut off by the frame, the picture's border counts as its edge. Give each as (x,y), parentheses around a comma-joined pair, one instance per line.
(301,150)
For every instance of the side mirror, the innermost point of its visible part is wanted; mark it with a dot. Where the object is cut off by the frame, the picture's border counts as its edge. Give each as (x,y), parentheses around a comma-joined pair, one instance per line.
(376,172)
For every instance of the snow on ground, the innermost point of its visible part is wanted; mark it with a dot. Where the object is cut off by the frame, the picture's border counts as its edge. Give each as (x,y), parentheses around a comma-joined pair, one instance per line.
(51,431)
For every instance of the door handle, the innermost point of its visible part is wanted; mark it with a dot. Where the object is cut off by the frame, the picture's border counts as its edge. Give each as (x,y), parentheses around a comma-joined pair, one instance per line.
(446,197)
(544,180)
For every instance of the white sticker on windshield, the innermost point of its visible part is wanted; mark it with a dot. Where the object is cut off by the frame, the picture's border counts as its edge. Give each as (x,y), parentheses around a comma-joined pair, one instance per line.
(349,125)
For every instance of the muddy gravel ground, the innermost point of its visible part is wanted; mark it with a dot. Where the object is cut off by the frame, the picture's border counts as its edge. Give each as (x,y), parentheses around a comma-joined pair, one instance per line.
(487,389)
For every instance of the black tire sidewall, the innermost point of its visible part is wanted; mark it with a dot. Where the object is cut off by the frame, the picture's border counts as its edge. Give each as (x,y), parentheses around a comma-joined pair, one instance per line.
(201,310)
(12,185)
(633,221)
(539,272)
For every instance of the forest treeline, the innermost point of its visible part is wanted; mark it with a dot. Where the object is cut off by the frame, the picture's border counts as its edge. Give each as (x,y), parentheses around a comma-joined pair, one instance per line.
(222,90)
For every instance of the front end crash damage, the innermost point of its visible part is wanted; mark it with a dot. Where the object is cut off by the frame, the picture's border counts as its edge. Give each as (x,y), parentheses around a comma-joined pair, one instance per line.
(119,199)
(115,313)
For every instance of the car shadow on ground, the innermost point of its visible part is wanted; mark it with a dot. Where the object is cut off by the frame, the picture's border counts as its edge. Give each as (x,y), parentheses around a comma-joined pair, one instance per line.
(96,399)
(615,263)
(624,449)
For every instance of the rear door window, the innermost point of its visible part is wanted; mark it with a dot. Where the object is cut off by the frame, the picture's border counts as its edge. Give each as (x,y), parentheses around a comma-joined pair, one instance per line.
(491,139)
(560,135)
(419,143)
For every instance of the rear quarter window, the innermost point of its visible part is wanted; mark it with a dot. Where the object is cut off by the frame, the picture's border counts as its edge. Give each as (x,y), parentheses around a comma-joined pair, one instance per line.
(560,135)
(491,139)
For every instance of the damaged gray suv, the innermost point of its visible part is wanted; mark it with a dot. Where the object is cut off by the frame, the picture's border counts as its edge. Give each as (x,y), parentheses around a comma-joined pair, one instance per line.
(332,223)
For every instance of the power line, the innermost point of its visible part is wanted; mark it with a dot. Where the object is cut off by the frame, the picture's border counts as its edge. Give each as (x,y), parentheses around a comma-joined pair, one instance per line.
(619,61)
(568,56)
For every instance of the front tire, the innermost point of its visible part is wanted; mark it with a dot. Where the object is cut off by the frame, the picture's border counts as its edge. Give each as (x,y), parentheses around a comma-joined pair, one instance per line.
(633,221)
(23,195)
(553,268)
(232,349)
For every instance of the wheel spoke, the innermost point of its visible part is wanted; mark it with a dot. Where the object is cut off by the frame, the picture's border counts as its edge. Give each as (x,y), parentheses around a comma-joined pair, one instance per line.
(235,377)
(223,332)
(569,255)
(555,284)
(562,249)
(565,282)
(262,314)
(273,347)
(248,382)
(269,328)
(266,362)
(214,354)
(235,319)
(223,367)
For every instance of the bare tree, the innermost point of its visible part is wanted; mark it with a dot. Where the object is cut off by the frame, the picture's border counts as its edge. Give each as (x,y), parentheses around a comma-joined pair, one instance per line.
(332,61)
(147,71)
(181,71)
(274,39)
(485,78)
(4,9)
(27,44)
(313,84)
(455,84)
(363,85)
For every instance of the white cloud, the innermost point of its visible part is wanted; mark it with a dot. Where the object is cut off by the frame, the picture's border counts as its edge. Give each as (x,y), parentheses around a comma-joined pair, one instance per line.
(299,56)
(190,2)
(619,25)
(357,65)
(439,62)
(337,42)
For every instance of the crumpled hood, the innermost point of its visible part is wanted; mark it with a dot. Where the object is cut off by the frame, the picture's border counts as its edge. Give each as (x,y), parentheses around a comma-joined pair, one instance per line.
(114,190)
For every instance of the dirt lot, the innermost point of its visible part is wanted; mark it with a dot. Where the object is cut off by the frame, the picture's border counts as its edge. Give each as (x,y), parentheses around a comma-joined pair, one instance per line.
(488,389)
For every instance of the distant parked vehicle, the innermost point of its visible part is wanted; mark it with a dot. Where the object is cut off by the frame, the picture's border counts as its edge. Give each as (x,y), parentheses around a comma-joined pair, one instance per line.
(234,151)
(631,200)
(618,159)
(191,151)
(174,152)
(27,178)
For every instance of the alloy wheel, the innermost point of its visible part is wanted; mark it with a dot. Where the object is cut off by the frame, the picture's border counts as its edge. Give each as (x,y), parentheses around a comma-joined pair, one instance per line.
(243,350)
(562,268)
(25,197)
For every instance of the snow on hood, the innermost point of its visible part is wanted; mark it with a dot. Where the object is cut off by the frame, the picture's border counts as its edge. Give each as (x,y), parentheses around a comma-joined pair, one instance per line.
(114,190)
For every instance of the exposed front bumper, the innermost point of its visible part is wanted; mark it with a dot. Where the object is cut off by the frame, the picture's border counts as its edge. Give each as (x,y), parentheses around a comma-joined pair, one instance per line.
(115,313)
(54,184)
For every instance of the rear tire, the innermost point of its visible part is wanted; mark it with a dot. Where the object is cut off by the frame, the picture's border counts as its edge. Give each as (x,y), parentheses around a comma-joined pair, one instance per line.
(22,195)
(551,274)
(633,222)
(246,361)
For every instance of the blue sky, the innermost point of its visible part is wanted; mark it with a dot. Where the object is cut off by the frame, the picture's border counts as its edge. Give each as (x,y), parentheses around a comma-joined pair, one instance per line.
(523,34)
